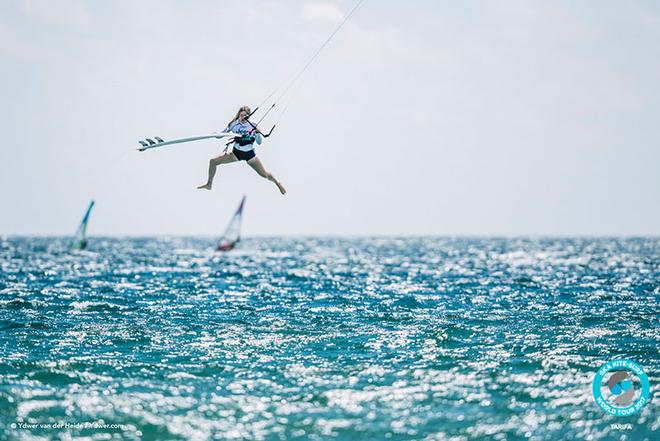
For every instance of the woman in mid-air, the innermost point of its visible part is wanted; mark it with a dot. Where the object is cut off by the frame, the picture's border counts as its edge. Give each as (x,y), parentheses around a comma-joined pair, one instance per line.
(243,149)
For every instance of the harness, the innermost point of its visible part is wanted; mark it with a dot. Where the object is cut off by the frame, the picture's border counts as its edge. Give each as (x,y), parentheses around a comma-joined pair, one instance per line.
(246,139)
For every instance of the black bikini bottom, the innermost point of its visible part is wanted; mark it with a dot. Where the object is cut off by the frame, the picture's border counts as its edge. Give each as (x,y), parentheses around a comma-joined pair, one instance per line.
(244,156)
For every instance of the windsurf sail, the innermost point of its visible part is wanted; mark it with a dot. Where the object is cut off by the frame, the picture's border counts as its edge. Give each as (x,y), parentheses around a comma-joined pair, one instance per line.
(149,143)
(80,238)
(232,234)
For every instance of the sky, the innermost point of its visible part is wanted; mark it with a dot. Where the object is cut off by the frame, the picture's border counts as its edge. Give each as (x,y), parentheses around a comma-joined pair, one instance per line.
(515,117)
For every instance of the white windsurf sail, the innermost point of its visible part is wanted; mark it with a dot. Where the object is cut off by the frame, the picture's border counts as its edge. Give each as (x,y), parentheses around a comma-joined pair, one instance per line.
(232,234)
(149,143)
(80,238)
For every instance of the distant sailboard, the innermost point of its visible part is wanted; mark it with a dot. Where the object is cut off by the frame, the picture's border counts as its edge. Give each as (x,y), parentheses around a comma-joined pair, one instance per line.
(232,234)
(80,238)
(150,143)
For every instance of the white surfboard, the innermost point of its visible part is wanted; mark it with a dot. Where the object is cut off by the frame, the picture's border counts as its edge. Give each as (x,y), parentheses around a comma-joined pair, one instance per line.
(145,145)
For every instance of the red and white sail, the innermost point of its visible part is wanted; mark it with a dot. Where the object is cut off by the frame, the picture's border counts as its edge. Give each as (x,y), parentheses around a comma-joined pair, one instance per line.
(232,234)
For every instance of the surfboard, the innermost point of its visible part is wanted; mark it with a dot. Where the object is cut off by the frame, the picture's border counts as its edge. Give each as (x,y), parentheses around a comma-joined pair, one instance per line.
(146,145)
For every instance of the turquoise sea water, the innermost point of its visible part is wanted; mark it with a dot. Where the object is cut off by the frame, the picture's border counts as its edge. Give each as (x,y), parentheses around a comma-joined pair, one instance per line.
(381,338)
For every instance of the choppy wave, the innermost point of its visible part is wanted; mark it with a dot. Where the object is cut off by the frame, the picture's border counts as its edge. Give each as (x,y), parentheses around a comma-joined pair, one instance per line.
(378,338)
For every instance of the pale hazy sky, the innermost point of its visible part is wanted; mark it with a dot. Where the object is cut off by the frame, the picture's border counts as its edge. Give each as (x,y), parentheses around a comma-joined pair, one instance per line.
(421,117)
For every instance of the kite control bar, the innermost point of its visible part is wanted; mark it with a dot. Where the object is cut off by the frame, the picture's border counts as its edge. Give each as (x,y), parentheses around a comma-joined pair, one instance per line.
(254,126)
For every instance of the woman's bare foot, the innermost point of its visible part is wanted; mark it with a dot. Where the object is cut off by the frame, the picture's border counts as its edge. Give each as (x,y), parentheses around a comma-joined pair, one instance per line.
(206,186)
(281,187)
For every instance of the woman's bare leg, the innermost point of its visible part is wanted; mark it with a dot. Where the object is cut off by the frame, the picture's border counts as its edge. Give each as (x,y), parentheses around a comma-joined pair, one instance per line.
(213,163)
(256,164)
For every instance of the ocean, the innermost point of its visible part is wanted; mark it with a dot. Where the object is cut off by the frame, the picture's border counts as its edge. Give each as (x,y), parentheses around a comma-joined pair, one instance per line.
(379,338)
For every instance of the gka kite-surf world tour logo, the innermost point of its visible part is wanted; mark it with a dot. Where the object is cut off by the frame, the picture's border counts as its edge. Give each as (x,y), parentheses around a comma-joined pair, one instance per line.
(621,387)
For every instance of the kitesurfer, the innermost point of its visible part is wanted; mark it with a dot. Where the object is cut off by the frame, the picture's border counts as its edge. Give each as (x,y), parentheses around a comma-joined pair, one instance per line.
(242,149)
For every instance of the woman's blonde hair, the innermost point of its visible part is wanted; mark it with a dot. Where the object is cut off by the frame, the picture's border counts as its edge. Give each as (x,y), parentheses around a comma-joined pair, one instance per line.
(242,109)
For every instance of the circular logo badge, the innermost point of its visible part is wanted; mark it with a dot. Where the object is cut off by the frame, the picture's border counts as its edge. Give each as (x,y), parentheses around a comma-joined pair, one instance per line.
(620,387)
